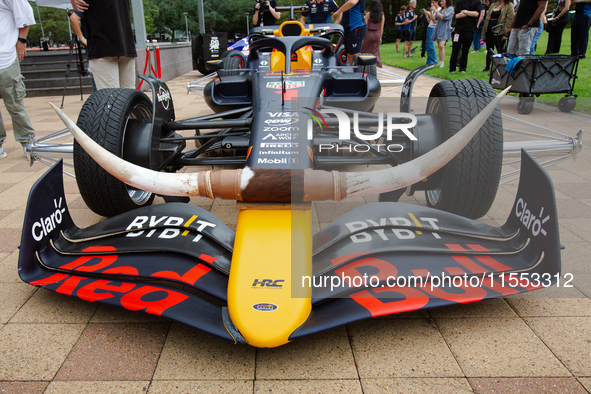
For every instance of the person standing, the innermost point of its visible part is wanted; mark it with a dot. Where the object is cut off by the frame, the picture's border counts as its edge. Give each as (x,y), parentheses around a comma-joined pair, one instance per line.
(467,14)
(319,11)
(374,19)
(431,52)
(442,31)
(15,18)
(534,41)
(399,22)
(354,24)
(111,48)
(269,14)
(410,18)
(500,13)
(478,32)
(579,31)
(524,26)
(424,21)
(555,26)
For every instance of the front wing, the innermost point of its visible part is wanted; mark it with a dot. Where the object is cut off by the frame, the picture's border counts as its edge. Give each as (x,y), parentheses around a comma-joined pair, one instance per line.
(375,260)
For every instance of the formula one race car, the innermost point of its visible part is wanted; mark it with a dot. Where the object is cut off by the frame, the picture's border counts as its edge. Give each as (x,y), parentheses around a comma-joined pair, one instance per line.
(284,128)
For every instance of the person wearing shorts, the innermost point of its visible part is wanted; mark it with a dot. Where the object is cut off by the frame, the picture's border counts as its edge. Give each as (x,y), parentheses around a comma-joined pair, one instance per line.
(399,22)
(411,28)
(353,22)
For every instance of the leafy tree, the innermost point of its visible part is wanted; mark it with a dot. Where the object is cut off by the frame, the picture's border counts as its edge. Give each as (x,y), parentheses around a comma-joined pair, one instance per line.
(55,21)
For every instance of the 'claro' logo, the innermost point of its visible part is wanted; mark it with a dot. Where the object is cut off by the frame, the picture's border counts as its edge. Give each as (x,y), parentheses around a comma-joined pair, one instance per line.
(529,220)
(45,226)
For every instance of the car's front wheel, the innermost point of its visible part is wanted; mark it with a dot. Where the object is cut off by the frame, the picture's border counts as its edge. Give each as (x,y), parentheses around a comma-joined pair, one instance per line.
(469,182)
(110,117)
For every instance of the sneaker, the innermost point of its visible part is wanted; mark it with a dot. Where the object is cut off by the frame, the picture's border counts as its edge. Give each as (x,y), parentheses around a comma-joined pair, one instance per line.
(441,64)
(25,152)
(2,153)
(463,72)
(422,57)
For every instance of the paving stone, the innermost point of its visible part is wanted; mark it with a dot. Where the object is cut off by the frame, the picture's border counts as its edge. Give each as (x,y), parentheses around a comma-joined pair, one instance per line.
(49,307)
(569,338)
(551,306)
(586,382)
(401,348)
(35,352)
(201,386)
(306,358)
(190,354)
(526,385)
(416,386)
(503,347)
(115,352)
(22,387)
(9,268)
(307,386)
(13,296)
(10,239)
(139,387)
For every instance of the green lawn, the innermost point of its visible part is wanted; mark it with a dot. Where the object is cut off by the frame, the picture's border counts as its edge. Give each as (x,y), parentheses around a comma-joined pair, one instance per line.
(476,63)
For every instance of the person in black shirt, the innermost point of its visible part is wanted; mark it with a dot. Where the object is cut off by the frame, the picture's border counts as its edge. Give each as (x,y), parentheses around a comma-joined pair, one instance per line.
(525,26)
(111,48)
(270,15)
(467,14)
(319,11)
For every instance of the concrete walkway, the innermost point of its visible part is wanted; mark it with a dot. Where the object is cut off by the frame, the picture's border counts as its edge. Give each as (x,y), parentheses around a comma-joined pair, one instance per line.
(539,342)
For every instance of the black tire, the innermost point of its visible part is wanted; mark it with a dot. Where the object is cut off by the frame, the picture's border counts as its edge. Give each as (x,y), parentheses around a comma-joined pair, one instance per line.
(105,117)
(525,105)
(567,104)
(342,56)
(236,54)
(469,182)
(229,63)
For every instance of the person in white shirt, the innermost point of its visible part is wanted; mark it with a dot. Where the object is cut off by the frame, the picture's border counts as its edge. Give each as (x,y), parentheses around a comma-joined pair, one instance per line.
(15,18)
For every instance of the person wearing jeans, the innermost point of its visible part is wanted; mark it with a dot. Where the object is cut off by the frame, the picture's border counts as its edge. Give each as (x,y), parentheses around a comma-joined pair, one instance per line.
(534,41)
(431,52)
(525,25)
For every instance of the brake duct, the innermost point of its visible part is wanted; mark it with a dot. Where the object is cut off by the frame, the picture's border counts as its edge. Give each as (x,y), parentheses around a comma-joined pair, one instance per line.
(282,185)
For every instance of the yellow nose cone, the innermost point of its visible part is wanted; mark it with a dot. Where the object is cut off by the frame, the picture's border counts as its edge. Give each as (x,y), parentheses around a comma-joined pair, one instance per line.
(267,301)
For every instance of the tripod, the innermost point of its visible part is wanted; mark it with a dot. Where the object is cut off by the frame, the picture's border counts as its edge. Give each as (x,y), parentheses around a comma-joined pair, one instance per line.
(75,50)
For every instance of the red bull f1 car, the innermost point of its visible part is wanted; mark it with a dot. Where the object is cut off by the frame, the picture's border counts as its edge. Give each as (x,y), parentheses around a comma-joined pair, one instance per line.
(284,132)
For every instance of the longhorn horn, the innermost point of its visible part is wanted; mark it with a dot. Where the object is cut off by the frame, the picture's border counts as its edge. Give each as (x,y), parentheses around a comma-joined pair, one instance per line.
(401,176)
(253,184)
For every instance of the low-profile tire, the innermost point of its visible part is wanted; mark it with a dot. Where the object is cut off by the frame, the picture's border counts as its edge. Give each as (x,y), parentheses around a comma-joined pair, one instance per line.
(567,104)
(236,54)
(469,182)
(341,55)
(229,63)
(105,117)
